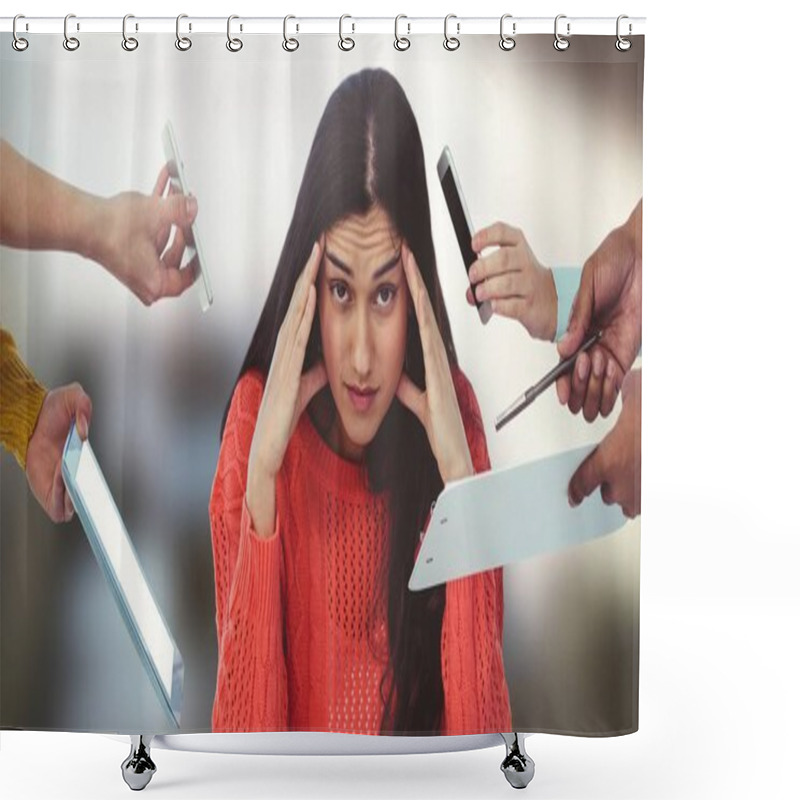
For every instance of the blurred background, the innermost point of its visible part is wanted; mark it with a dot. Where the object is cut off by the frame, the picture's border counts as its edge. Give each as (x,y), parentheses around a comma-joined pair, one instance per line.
(549,142)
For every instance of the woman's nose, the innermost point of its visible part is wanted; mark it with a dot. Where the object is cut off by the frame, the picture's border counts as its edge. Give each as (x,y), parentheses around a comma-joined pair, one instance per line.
(361,345)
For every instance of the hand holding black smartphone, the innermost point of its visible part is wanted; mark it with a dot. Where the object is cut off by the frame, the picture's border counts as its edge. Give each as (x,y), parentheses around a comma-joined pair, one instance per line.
(454,197)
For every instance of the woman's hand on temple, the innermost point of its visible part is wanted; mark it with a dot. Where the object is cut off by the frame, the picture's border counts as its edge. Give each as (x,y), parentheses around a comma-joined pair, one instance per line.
(286,394)
(437,407)
(514,281)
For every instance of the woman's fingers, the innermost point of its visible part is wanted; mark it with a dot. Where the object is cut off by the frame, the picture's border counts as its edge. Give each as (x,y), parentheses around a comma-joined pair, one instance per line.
(308,276)
(422,303)
(299,342)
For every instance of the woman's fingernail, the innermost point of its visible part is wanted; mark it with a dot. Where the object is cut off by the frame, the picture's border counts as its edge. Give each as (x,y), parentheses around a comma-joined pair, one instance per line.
(597,366)
(191,205)
(583,369)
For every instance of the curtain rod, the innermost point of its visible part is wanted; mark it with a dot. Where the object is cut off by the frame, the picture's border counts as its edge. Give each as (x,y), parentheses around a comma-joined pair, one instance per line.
(461,26)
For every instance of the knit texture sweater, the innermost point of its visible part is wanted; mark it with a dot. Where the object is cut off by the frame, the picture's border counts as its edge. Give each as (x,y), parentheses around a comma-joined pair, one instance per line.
(302,642)
(21,398)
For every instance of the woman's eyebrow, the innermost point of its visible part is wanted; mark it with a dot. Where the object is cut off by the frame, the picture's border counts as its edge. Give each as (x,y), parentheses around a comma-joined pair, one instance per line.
(382,270)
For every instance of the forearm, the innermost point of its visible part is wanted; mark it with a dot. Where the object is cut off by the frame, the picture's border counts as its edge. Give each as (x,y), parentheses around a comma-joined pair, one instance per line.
(473,672)
(21,399)
(40,212)
(260,499)
(251,693)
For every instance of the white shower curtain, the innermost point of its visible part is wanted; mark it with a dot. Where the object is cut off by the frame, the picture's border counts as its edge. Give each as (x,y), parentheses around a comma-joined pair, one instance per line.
(548,142)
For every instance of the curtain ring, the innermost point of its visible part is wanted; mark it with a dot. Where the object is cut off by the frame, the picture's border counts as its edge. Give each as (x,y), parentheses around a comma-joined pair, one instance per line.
(345,42)
(129,43)
(183,43)
(560,43)
(18,43)
(401,42)
(507,42)
(451,42)
(623,44)
(233,44)
(71,43)
(290,44)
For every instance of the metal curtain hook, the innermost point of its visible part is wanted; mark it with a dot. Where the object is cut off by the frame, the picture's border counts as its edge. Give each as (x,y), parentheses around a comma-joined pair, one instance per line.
(233,44)
(345,42)
(560,42)
(290,44)
(17,42)
(401,42)
(623,44)
(129,43)
(182,42)
(451,42)
(70,42)
(507,42)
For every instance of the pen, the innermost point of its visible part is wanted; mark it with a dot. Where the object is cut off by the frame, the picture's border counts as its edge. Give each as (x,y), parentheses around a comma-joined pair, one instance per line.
(524,400)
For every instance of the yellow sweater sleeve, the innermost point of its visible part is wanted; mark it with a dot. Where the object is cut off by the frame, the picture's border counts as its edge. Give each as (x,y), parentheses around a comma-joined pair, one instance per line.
(21,398)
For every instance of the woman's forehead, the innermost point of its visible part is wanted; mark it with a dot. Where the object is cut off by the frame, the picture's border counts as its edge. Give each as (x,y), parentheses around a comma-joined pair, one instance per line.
(363,242)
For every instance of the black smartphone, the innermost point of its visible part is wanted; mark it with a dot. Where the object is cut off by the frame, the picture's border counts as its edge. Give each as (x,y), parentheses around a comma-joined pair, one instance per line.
(462,224)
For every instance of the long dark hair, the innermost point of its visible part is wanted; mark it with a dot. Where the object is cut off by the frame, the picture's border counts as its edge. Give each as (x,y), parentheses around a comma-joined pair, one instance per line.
(367,150)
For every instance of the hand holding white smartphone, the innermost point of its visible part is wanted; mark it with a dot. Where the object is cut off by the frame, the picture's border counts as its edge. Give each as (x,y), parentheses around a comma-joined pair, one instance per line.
(454,197)
(177,176)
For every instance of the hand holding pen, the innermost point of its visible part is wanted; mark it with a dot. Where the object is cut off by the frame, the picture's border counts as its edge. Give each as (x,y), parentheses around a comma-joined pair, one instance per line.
(609,297)
(562,368)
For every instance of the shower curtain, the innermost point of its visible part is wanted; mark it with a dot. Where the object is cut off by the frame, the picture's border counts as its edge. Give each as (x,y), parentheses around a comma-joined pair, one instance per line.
(281,374)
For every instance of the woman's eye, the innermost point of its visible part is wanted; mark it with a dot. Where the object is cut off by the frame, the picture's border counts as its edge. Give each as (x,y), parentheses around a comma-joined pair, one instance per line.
(340,292)
(386,295)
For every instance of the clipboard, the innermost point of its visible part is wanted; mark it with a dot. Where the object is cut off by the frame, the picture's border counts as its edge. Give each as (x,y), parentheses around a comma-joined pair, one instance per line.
(123,573)
(509,515)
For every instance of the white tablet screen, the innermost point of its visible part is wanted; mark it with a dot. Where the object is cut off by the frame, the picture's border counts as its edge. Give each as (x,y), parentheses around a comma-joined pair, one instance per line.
(111,532)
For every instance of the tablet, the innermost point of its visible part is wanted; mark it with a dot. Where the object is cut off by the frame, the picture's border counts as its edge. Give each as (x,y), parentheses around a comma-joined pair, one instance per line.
(508,515)
(114,551)
(177,174)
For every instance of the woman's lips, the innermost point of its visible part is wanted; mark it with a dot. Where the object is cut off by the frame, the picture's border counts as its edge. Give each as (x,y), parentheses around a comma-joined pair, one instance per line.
(361,398)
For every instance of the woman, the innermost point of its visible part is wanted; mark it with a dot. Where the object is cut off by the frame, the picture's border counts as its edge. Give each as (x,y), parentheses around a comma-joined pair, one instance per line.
(332,454)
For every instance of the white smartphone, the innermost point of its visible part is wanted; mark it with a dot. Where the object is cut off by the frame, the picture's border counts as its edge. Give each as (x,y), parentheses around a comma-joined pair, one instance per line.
(177,174)
(462,224)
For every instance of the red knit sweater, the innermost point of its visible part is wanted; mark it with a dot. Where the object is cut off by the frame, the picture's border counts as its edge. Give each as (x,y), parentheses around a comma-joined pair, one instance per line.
(300,645)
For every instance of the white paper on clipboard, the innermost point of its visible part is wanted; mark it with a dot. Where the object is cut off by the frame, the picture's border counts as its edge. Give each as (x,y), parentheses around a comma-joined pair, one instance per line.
(509,515)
